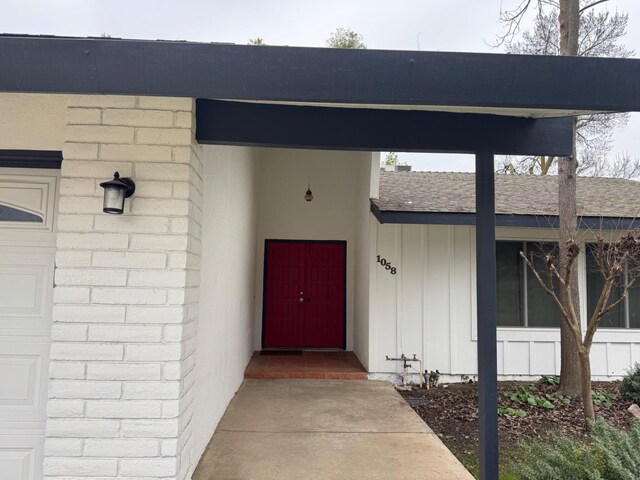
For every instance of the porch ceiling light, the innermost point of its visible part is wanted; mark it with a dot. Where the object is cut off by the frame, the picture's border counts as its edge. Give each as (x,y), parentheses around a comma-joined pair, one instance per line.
(308,196)
(115,191)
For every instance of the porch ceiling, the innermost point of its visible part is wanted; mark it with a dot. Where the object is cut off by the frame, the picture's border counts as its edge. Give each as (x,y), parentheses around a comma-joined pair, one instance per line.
(484,110)
(510,85)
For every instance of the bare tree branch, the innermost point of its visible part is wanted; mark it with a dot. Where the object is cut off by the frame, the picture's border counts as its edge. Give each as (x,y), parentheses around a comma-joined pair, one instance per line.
(600,35)
(593,4)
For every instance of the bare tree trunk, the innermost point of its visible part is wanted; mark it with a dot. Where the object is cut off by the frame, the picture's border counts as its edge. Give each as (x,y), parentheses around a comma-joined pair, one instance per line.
(570,368)
(570,384)
(587,399)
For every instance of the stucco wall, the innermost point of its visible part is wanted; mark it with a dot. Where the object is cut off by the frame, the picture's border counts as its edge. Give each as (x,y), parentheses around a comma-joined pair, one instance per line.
(429,308)
(32,121)
(225,327)
(284,214)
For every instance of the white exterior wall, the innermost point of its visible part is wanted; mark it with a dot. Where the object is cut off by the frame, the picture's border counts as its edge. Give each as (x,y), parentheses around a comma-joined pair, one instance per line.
(366,187)
(225,324)
(125,301)
(32,121)
(429,308)
(284,214)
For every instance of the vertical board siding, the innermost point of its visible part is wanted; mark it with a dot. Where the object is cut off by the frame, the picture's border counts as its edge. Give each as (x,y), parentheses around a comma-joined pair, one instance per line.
(385,314)
(463,300)
(412,291)
(436,294)
(543,357)
(428,308)
(619,357)
(399,303)
(599,359)
(635,353)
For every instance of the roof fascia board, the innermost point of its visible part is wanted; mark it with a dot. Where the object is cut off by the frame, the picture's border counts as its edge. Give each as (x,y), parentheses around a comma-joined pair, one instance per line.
(301,74)
(502,220)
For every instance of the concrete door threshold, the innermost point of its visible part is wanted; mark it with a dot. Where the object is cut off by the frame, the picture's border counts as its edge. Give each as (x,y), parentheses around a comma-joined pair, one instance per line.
(307,364)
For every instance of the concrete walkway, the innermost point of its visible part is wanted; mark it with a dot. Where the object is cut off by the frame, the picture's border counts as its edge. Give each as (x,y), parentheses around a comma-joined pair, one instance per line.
(324,429)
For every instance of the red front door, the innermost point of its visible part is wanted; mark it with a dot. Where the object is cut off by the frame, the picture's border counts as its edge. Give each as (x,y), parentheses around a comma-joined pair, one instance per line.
(304,303)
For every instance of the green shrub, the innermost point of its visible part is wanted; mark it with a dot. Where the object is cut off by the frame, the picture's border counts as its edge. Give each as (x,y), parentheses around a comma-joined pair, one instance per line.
(602,399)
(511,412)
(630,386)
(553,380)
(619,451)
(527,395)
(611,454)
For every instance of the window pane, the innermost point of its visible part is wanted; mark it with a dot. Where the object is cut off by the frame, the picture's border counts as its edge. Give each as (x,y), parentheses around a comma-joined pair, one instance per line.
(11,214)
(509,277)
(542,310)
(595,283)
(634,307)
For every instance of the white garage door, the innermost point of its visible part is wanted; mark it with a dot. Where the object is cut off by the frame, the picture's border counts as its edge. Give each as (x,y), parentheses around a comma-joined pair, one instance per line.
(27,249)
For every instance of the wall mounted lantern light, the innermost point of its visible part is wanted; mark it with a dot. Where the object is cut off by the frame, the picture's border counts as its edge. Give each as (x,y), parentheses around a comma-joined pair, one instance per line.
(115,191)
(308,196)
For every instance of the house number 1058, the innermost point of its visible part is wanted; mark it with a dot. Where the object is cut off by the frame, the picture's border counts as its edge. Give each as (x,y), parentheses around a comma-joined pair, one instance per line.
(387,265)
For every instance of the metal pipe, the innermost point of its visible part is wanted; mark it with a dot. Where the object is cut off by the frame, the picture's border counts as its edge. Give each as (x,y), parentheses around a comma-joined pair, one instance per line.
(406,365)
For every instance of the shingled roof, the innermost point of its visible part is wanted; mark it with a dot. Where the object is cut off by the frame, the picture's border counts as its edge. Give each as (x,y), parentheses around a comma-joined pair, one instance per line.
(440,192)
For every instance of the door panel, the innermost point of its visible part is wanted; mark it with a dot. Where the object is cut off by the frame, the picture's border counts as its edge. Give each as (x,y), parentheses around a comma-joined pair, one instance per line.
(285,269)
(304,303)
(26,278)
(325,295)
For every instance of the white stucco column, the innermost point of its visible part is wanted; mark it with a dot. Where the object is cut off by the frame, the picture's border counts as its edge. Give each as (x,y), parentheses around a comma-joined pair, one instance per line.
(126,293)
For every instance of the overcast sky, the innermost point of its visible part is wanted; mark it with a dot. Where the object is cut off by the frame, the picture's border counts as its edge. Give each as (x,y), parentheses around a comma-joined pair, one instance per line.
(451,25)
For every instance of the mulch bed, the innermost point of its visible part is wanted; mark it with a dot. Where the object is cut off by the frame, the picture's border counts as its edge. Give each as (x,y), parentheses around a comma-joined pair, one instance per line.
(452,413)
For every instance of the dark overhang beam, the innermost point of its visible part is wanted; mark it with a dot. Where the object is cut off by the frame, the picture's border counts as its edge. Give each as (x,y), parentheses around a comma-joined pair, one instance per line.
(268,125)
(297,74)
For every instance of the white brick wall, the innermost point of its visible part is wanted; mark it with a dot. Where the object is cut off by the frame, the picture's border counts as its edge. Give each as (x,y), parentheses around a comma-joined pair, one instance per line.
(122,354)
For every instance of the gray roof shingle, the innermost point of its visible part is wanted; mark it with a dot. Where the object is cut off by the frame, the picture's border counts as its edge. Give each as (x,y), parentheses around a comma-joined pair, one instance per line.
(515,194)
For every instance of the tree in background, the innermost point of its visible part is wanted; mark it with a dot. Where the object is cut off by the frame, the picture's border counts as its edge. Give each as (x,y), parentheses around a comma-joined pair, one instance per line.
(622,166)
(256,41)
(391,159)
(568,14)
(346,38)
(600,34)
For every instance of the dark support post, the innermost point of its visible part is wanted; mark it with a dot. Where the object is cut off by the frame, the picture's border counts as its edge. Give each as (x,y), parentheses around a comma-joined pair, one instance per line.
(487,315)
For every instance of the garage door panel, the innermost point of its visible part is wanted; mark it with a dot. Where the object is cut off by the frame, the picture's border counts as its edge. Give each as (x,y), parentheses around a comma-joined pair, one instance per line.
(21,457)
(27,201)
(19,373)
(26,280)
(22,389)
